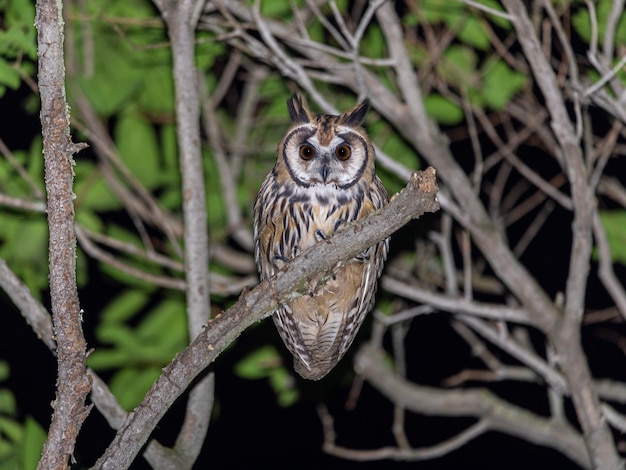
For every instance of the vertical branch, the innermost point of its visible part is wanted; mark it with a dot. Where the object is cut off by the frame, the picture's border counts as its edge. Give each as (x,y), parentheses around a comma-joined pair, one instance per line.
(73,384)
(179,17)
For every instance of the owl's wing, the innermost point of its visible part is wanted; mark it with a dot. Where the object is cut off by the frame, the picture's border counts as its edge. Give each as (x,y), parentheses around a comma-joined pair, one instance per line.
(365,295)
(275,243)
(264,213)
(374,259)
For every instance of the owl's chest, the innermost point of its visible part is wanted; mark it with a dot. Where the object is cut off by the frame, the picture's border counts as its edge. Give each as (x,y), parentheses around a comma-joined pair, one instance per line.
(310,219)
(309,223)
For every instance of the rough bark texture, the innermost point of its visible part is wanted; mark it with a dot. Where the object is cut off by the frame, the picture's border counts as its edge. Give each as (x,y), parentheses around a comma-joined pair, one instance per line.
(73,384)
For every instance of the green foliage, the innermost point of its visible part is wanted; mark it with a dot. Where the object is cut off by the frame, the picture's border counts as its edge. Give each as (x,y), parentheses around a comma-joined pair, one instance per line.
(614,223)
(582,25)
(582,22)
(18,52)
(501,83)
(266,363)
(467,65)
(20,442)
(137,143)
(142,337)
(25,248)
(442,109)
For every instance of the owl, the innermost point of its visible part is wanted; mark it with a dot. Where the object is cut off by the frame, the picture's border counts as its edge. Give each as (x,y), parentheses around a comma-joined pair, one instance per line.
(324,177)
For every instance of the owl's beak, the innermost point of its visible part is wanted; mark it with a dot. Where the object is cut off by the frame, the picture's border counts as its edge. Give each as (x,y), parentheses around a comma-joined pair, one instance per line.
(325,171)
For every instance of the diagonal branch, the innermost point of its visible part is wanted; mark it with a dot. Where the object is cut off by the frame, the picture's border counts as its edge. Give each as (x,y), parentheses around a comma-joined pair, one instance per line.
(417,198)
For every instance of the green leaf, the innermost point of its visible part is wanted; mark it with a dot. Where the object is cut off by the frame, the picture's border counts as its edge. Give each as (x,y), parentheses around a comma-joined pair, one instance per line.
(34,438)
(91,189)
(274,9)
(443,110)
(614,223)
(7,402)
(130,385)
(438,11)
(105,359)
(473,33)
(373,43)
(137,143)
(156,95)
(165,323)
(458,66)
(258,363)
(11,428)
(115,80)
(284,385)
(9,75)
(582,23)
(25,247)
(497,20)
(501,83)
(18,35)
(125,306)
(5,370)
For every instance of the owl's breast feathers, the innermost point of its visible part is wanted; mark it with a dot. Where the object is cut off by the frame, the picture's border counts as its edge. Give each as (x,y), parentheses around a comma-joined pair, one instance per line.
(318,328)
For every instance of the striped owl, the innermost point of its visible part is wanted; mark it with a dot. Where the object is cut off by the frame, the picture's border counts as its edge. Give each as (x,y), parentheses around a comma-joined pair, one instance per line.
(324,177)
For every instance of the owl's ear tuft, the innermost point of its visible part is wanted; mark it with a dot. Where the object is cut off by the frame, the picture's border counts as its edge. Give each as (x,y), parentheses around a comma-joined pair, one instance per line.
(356,115)
(298,112)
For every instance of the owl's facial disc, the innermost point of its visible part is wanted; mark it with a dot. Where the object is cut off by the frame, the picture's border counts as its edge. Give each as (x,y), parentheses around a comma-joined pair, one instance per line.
(339,162)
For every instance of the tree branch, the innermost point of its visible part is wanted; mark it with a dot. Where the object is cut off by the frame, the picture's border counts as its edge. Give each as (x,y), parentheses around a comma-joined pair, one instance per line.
(417,198)
(565,334)
(73,384)
(181,24)
(497,414)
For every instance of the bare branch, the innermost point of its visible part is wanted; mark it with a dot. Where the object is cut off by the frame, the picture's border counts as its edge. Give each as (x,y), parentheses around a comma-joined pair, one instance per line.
(456,305)
(73,384)
(22,204)
(38,317)
(496,413)
(393,453)
(181,19)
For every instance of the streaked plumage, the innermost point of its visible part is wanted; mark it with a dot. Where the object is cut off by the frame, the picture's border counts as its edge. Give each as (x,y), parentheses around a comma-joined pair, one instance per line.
(324,177)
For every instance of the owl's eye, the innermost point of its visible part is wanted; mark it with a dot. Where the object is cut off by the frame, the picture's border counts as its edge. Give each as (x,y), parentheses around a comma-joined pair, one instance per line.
(307,152)
(343,152)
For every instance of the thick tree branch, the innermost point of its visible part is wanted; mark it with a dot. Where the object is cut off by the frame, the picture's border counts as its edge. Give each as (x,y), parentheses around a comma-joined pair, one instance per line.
(73,383)
(417,198)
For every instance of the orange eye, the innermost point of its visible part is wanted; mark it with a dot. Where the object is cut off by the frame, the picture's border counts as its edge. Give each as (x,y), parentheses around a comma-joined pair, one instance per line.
(307,152)
(343,152)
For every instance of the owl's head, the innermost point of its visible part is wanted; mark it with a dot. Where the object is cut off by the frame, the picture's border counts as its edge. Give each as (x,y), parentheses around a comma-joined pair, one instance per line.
(325,149)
